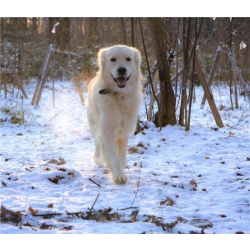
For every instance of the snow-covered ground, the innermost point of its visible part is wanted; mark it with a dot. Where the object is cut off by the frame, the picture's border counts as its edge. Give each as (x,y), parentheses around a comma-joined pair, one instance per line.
(178,181)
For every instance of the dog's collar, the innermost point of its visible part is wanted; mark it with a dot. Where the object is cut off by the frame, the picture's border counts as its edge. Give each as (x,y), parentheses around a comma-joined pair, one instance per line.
(106,91)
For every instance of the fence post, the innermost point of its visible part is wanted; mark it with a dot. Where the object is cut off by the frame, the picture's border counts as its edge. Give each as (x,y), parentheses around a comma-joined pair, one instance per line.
(233,61)
(41,81)
(211,75)
(208,93)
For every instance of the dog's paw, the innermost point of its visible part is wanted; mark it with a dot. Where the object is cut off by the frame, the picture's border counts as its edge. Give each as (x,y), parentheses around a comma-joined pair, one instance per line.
(98,161)
(119,178)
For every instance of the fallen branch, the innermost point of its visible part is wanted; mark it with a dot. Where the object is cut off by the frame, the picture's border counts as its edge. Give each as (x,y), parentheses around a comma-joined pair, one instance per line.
(75,213)
(47,215)
(126,208)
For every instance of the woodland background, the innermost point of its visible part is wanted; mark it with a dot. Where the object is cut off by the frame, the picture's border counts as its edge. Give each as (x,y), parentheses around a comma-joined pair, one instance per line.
(25,42)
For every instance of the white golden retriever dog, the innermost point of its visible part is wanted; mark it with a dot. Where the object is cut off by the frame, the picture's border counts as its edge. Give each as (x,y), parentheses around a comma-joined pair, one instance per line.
(114,98)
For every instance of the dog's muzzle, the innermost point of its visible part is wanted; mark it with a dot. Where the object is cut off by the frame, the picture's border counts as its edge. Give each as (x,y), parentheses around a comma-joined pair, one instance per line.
(121,81)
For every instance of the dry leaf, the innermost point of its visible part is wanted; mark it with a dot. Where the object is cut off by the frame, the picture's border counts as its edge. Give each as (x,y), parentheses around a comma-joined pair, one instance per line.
(201,223)
(239,174)
(61,169)
(56,179)
(58,162)
(67,228)
(132,150)
(45,226)
(133,215)
(61,161)
(168,202)
(33,211)
(193,183)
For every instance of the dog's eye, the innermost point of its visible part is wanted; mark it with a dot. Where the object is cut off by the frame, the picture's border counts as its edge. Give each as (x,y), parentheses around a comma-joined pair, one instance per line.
(128,59)
(113,59)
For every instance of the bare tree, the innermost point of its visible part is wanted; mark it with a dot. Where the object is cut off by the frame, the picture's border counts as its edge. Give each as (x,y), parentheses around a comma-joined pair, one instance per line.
(166,112)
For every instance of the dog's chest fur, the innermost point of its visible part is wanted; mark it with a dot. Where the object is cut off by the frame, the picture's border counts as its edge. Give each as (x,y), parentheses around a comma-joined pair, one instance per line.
(126,110)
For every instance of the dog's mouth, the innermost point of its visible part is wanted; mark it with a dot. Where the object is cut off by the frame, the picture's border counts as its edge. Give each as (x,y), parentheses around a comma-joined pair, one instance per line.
(121,81)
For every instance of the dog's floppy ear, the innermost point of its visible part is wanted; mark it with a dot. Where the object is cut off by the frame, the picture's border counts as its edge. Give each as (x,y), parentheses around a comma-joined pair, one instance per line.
(137,56)
(101,58)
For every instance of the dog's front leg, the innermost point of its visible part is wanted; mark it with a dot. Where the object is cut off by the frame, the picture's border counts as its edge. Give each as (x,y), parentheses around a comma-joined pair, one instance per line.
(112,159)
(122,147)
(98,153)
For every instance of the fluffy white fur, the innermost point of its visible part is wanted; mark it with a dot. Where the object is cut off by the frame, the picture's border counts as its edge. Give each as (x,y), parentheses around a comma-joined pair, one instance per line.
(112,115)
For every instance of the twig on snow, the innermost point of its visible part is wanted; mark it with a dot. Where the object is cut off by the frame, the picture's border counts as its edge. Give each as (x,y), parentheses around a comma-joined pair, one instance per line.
(94,202)
(137,189)
(95,183)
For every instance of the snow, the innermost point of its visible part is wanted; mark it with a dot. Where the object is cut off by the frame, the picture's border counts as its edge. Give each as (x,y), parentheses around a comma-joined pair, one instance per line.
(178,181)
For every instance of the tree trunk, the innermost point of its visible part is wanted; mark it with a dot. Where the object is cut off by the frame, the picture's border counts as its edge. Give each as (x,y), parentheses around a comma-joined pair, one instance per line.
(123,30)
(186,38)
(132,31)
(166,112)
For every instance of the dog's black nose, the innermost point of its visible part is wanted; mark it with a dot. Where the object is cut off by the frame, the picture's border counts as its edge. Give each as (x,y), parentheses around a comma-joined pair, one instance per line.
(122,71)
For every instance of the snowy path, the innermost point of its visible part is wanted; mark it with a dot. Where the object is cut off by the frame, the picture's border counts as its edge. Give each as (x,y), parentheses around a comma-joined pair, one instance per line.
(179,182)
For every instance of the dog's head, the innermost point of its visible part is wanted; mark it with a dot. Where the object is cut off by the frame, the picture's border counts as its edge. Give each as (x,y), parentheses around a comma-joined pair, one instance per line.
(120,64)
